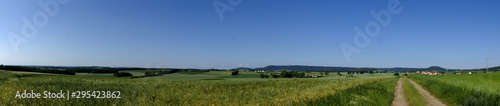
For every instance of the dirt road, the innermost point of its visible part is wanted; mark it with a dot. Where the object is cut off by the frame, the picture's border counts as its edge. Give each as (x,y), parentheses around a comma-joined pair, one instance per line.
(399,95)
(427,96)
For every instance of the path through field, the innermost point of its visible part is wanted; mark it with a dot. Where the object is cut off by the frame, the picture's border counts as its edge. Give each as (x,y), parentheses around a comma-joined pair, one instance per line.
(399,95)
(427,96)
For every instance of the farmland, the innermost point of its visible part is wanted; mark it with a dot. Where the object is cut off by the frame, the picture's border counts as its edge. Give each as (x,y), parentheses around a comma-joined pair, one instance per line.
(171,89)
(475,89)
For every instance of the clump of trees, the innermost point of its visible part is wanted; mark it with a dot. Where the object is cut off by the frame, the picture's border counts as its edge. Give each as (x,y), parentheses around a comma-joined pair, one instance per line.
(396,74)
(275,75)
(235,72)
(286,74)
(262,75)
(122,74)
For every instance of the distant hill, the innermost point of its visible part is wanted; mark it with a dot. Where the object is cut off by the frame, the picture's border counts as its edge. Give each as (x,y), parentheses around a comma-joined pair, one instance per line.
(101,69)
(326,68)
(312,68)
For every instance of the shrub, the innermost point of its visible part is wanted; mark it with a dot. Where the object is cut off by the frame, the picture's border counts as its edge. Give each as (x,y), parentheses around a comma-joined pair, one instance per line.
(396,74)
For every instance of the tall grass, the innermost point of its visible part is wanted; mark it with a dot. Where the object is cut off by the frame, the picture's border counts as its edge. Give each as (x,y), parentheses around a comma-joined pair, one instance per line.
(378,93)
(161,92)
(414,96)
(477,89)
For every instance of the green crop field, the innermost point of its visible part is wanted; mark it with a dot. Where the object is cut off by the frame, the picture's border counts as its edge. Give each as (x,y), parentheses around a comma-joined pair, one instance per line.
(209,88)
(475,89)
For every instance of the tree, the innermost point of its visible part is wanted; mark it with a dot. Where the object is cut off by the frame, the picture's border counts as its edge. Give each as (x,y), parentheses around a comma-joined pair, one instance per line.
(274,75)
(338,73)
(327,72)
(235,72)
(302,75)
(396,74)
(321,73)
(262,75)
(295,74)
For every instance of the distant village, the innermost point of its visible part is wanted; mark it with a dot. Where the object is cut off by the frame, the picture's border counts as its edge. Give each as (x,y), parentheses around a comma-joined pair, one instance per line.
(439,73)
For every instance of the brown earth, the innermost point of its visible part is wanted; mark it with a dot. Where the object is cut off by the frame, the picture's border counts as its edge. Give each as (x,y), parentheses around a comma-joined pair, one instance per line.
(399,95)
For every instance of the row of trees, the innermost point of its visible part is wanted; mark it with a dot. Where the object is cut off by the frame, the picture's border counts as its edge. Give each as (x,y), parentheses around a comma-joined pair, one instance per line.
(284,74)
(122,74)
(101,70)
(32,69)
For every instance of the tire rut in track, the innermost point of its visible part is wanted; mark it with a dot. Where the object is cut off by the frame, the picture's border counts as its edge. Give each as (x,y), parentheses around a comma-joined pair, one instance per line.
(399,95)
(427,96)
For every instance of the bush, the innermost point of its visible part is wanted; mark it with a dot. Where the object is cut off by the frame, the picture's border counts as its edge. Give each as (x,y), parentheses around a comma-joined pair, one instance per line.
(396,74)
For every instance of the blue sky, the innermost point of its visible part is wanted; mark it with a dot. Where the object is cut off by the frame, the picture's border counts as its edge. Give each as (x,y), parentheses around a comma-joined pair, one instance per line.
(190,34)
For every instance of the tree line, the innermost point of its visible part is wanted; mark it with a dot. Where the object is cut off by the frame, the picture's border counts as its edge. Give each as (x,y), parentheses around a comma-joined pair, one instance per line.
(32,69)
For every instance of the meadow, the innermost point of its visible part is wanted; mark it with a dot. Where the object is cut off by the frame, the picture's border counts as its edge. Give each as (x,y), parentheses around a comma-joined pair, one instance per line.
(475,89)
(211,88)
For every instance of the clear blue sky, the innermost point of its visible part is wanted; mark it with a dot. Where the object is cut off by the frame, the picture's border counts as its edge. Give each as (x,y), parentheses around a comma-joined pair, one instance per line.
(190,34)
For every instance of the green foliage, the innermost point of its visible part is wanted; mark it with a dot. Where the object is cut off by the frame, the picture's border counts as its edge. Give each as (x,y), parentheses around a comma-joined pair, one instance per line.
(327,72)
(262,75)
(396,74)
(235,72)
(292,74)
(275,75)
(122,74)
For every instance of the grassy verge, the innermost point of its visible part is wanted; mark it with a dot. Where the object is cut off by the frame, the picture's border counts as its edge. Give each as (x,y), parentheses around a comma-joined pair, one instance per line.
(461,89)
(415,98)
(377,93)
